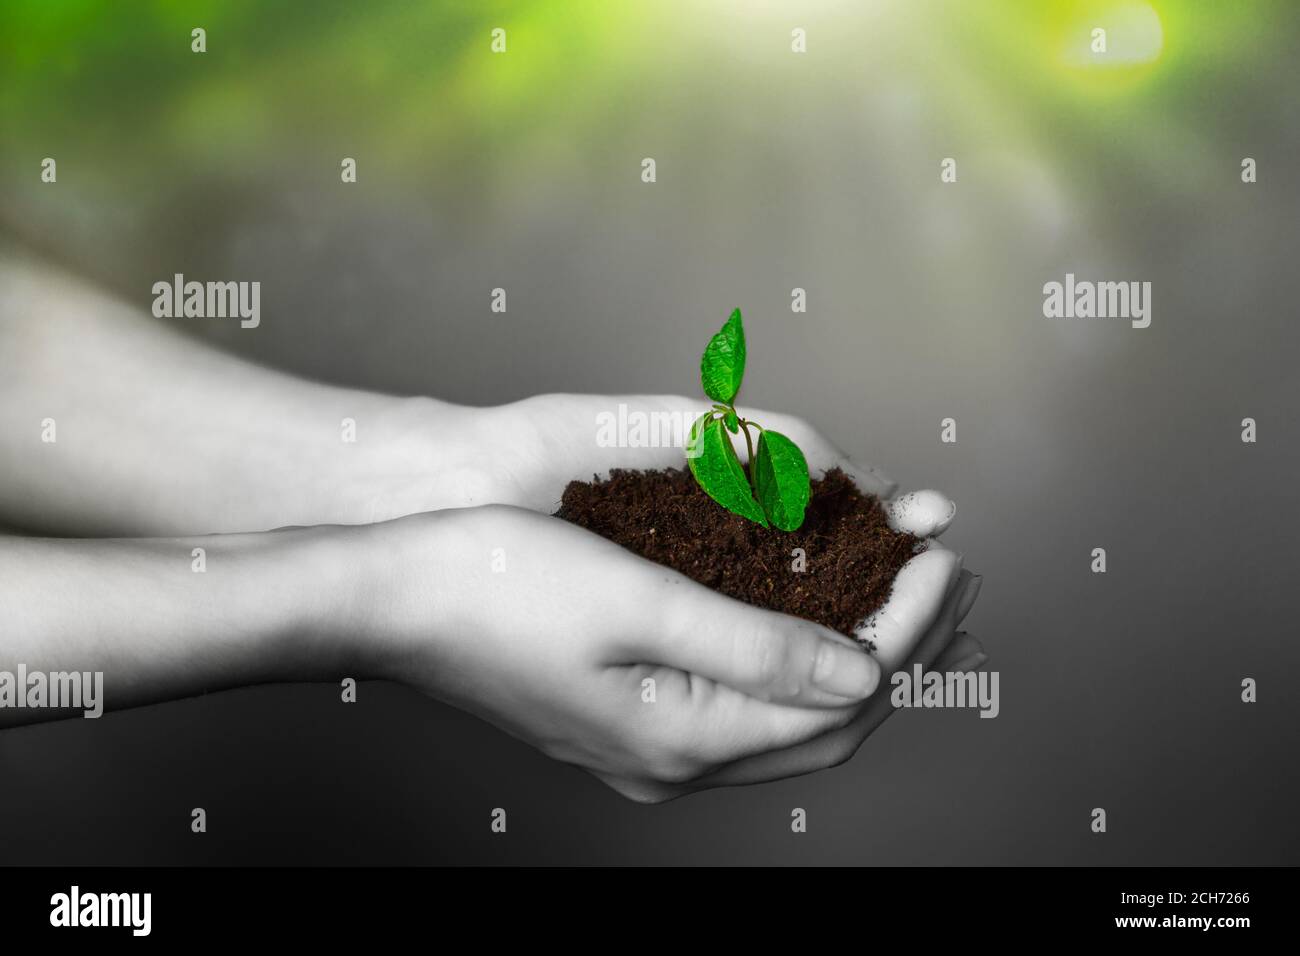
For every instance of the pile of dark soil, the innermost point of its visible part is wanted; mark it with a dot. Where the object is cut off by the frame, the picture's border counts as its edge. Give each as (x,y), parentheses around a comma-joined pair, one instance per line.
(852,555)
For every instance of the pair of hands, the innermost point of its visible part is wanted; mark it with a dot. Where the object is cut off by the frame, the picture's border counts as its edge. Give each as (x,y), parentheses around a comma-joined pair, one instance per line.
(559,643)
(159,437)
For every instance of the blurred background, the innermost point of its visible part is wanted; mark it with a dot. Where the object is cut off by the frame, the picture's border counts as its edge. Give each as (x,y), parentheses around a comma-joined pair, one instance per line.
(775,170)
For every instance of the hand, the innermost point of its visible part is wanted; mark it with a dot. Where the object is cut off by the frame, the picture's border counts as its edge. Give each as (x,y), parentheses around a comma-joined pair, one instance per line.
(553,440)
(596,656)
(930,598)
(524,454)
(941,648)
(550,440)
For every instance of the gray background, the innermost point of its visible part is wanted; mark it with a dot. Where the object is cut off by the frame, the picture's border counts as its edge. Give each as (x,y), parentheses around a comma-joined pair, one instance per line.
(1119,690)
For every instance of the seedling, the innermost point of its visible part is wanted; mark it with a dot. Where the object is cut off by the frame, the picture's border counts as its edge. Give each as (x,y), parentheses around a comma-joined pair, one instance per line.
(774,489)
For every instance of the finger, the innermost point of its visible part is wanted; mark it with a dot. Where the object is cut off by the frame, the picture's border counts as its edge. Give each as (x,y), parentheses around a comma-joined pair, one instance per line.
(829,750)
(730,726)
(934,643)
(964,653)
(968,598)
(942,633)
(925,514)
(913,604)
(697,725)
(767,655)
(838,746)
(940,641)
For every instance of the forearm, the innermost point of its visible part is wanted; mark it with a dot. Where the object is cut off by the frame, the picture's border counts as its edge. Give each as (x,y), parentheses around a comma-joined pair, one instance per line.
(113,423)
(165,618)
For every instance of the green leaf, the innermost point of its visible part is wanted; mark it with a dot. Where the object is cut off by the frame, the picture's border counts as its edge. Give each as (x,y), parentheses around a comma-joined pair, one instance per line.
(716,468)
(781,480)
(731,421)
(723,364)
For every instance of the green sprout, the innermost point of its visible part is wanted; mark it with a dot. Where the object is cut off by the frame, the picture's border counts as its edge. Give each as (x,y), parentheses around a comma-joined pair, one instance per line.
(774,489)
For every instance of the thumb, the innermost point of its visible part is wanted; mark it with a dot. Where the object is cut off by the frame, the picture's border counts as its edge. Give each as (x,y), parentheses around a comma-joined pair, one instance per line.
(925,514)
(764,654)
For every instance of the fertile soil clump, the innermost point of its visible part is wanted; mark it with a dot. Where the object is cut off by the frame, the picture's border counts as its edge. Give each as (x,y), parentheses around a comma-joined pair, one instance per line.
(851,553)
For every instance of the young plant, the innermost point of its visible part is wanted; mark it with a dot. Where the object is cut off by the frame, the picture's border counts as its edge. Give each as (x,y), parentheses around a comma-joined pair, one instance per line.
(774,488)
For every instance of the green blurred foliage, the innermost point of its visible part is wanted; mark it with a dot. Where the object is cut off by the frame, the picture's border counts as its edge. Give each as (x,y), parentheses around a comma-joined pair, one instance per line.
(409,80)
(414,87)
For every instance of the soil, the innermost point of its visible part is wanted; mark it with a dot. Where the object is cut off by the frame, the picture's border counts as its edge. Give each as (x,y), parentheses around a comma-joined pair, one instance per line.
(852,555)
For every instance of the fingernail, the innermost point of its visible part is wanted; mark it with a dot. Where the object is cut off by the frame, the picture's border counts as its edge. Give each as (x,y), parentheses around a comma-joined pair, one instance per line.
(845,671)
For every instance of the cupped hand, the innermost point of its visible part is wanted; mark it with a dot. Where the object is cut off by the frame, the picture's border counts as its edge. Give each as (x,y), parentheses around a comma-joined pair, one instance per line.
(558,438)
(931,595)
(941,648)
(601,658)
(544,442)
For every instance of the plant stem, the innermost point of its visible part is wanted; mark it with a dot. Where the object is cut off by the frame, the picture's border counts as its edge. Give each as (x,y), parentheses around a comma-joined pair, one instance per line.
(749,446)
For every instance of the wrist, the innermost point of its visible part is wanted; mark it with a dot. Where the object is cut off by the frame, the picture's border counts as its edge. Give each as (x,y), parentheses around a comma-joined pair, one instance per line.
(380,599)
(413,455)
(313,583)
